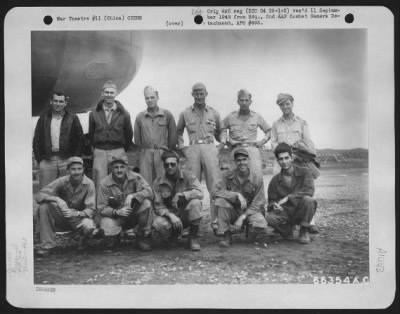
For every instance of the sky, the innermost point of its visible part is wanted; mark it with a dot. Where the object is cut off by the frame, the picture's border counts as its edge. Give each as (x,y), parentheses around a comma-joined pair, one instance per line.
(324,70)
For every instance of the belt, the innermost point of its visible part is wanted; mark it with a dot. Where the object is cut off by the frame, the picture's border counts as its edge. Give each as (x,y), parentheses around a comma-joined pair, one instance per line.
(244,145)
(202,141)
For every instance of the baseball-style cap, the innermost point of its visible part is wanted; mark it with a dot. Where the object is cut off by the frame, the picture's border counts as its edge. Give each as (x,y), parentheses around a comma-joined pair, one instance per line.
(109,84)
(121,159)
(169,154)
(198,86)
(240,151)
(74,160)
(283,97)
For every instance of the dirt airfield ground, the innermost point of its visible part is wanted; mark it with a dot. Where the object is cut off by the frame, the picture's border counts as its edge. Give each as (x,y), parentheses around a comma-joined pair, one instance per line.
(338,252)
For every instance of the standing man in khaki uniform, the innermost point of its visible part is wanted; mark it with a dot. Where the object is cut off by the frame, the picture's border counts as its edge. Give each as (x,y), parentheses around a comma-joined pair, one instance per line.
(203,124)
(110,131)
(242,126)
(154,132)
(177,202)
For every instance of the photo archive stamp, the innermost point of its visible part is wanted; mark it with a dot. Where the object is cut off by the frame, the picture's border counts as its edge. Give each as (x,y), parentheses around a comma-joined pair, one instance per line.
(335,62)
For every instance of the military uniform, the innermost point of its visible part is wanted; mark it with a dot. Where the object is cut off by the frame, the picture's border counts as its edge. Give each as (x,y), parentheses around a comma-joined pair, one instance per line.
(189,212)
(299,208)
(111,197)
(51,218)
(243,133)
(228,206)
(201,155)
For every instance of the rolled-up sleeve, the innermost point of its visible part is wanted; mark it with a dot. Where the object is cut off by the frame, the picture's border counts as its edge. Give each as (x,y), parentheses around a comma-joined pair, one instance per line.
(258,201)
(52,189)
(143,189)
(194,190)
(102,201)
(180,127)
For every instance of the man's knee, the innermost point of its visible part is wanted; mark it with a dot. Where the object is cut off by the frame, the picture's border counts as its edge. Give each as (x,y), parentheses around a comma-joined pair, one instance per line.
(110,226)
(45,209)
(257,221)
(161,228)
(194,210)
(221,202)
(144,206)
(87,225)
(310,202)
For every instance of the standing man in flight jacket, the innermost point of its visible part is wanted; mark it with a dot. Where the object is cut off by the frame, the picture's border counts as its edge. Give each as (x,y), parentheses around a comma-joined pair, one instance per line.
(110,131)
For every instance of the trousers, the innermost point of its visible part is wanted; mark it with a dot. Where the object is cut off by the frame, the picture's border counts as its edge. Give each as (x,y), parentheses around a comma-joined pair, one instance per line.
(51,220)
(191,214)
(203,158)
(142,219)
(255,163)
(101,160)
(298,212)
(227,214)
(150,164)
(49,170)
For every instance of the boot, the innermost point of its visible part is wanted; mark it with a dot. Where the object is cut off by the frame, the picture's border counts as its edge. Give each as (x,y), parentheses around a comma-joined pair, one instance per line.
(194,244)
(304,237)
(226,240)
(143,243)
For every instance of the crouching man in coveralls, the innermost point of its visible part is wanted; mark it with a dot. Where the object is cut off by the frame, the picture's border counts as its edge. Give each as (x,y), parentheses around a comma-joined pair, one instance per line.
(177,202)
(290,195)
(124,202)
(240,200)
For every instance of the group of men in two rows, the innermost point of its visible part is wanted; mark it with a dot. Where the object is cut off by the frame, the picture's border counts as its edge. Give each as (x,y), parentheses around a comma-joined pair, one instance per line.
(120,199)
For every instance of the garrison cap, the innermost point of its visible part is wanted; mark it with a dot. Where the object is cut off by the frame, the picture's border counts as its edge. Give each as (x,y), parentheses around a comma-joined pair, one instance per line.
(169,154)
(109,84)
(198,86)
(283,97)
(240,151)
(74,160)
(121,159)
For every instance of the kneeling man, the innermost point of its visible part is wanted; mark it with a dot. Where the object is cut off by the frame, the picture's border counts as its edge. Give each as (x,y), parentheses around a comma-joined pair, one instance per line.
(239,199)
(124,202)
(67,203)
(177,202)
(290,195)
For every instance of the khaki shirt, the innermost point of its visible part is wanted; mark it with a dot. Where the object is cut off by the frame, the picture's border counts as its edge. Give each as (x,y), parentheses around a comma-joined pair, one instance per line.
(187,183)
(243,129)
(294,132)
(159,130)
(81,198)
(200,124)
(251,188)
(134,184)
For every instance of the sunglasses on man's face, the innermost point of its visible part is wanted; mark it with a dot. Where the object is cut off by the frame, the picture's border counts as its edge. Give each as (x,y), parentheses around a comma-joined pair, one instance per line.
(169,164)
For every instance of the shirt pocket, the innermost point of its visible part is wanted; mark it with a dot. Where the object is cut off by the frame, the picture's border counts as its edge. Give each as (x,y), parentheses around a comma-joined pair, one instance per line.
(252,127)
(191,126)
(211,125)
(235,131)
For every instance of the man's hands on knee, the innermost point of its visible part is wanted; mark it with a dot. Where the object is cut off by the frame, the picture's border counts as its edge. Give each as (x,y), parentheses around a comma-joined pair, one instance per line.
(243,202)
(124,211)
(176,222)
(178,200)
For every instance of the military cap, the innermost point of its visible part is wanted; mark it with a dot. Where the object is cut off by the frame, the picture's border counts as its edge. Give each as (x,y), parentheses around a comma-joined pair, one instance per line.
(283,97)
(198,86)
(74,160)
(169,154)
(109,84)
(240,151)
(121,159)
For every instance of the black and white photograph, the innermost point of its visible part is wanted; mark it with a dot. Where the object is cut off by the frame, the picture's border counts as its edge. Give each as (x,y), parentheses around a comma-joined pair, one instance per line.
(201,159)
